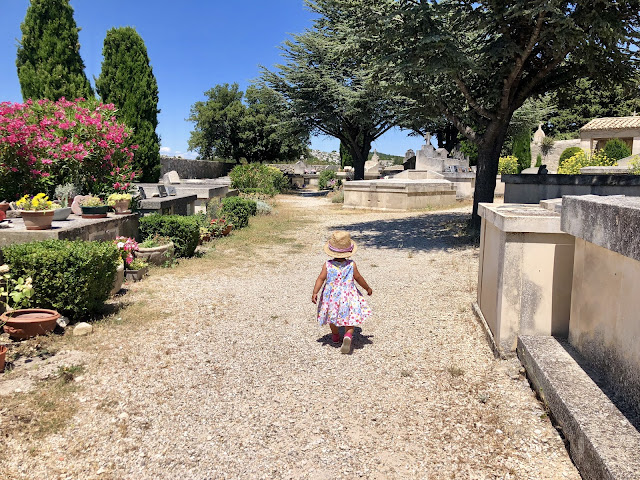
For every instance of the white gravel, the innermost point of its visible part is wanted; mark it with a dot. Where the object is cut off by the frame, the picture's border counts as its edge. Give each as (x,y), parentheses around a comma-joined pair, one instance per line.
(235,380)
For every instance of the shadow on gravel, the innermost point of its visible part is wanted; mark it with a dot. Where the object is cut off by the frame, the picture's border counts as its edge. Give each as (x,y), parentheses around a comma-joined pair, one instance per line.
(431,231)
(359,340)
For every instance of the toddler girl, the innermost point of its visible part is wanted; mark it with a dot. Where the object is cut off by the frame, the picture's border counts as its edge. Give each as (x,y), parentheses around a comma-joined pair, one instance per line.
(341,303)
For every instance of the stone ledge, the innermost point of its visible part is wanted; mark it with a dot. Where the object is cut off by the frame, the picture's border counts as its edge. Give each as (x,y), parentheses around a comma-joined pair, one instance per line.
(520,218)
(611,222)
(603,444)
(591,180)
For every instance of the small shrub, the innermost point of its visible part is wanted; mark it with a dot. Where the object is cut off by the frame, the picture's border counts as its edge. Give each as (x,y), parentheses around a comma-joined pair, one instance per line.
(572,165)
(72,277)
(328,180)
(338,197)
(258,178)
(507,165)
(634,165)
(263,208)
(616,149)
(568,153)
(237,210)
(183,231)
(539,160)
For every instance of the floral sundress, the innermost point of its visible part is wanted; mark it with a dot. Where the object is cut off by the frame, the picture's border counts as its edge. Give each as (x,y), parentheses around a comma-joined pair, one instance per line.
(341,303)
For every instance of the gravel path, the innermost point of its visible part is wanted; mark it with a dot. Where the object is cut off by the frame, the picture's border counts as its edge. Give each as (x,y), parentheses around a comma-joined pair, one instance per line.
(235,380)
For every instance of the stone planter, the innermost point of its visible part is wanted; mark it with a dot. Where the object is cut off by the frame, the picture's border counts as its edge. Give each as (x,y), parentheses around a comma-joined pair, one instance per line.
(60,214)
(121,207)
(3,355)
(37,219)
(29,322)
(95,212)
(117,284)
(155,255)
(136,275)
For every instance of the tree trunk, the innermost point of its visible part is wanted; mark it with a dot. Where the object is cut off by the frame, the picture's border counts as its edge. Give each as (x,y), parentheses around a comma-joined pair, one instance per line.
(488,156)
(359,156)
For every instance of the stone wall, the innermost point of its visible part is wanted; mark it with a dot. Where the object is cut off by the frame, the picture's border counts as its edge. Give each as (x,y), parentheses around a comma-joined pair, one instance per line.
(195,168)
(554,155)
(287,168)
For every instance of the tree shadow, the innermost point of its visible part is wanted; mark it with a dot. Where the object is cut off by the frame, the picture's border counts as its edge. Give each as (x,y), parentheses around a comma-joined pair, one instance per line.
(358,342)
(431,231)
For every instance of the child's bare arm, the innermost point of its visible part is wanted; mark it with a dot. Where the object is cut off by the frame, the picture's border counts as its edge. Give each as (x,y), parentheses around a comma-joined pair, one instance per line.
(319,281)
(361,281)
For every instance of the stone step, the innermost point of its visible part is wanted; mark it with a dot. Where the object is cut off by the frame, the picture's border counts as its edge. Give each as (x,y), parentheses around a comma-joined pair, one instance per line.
(602,442)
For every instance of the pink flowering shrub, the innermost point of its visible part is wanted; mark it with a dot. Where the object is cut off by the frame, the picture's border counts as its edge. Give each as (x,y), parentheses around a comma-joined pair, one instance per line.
(126,246)
(45,143)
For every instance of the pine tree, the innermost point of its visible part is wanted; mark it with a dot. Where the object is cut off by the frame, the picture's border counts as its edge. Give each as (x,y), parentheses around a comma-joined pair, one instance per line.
(127,81)
(48,61)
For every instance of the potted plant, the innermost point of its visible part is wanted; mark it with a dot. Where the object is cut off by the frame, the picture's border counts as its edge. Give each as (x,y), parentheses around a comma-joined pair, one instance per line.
(155,250)
(136,270)
(120,203)
(26,322)
(127,247)
(219,227)
(37,212)
(93,207)
(65,195)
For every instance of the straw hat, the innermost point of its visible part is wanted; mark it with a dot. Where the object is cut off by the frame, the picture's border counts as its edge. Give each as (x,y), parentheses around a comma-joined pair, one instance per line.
(340,245)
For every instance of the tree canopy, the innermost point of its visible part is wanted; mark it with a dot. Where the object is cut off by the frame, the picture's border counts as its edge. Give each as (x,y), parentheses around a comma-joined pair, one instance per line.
(48,60)
(127,81)
(333,88)
(475,63)
(259,129)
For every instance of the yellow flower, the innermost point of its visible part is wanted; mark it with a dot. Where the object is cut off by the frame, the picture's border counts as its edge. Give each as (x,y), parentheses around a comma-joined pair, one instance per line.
(35,202)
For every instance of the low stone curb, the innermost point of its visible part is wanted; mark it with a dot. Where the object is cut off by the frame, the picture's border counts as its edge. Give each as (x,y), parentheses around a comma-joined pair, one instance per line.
(603,444)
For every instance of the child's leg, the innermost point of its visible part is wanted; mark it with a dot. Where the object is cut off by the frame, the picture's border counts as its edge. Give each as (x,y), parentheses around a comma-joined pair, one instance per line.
(346,341)
(335,334)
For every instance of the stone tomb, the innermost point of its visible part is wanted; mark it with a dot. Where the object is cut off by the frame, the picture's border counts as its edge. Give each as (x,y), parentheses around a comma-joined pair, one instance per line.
(74,228)
(398,194)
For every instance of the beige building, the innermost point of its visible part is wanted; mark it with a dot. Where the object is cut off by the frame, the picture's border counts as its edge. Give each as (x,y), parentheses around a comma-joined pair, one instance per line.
(595,134)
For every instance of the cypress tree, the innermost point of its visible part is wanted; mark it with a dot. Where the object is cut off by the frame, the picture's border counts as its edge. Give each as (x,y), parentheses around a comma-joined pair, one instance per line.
(48,61)
(522,148)
(127,81)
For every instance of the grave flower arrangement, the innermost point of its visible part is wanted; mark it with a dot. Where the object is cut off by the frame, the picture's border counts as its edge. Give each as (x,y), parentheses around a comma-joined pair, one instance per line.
(127,247)
(119,202)
(218,227)
(38,202)
(46,143)
(37,211)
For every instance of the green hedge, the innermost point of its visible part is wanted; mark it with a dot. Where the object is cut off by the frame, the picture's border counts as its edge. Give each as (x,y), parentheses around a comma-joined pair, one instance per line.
(72,277)
(616,149)
(237,210)
(258,178)
(183,231)
(567,153)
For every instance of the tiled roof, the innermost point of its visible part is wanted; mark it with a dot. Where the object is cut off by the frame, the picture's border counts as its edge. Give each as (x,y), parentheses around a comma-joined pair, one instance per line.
(612,123)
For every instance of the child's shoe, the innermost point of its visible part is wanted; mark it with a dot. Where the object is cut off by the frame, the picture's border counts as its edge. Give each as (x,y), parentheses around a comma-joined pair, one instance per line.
(346,344)
(335,337)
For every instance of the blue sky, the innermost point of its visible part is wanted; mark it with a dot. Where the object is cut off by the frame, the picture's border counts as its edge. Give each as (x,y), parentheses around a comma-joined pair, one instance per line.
(192,45)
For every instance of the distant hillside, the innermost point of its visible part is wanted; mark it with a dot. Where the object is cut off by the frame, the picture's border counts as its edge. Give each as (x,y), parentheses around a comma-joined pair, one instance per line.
(388,157)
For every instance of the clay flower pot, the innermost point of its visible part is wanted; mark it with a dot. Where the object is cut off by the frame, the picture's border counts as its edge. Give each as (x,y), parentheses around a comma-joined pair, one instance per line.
(155,255)
(3,355)
(37,219)
(95,212)
(121,207)
(60,214)
(136,275)
(117,284)
(29,322)
(4,206)
(227,230)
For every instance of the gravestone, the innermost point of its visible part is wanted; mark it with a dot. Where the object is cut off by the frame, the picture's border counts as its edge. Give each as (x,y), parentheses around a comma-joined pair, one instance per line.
(171,191)
(299,168)
(162,191)
(539,135)
(171,177)
(142,193)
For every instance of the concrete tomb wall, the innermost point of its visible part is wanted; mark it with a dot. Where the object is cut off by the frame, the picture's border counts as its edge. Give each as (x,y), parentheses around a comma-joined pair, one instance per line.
(194,168)
(605,306)
(524,279)
(398,195)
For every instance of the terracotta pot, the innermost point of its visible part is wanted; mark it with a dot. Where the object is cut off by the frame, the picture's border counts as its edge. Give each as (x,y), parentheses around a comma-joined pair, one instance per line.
(94,212)
(136,275)
(37,219)
(3,355)
(4,206)
(29,322)
(227,230)
(117,284)
(155,255)
(122,207)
